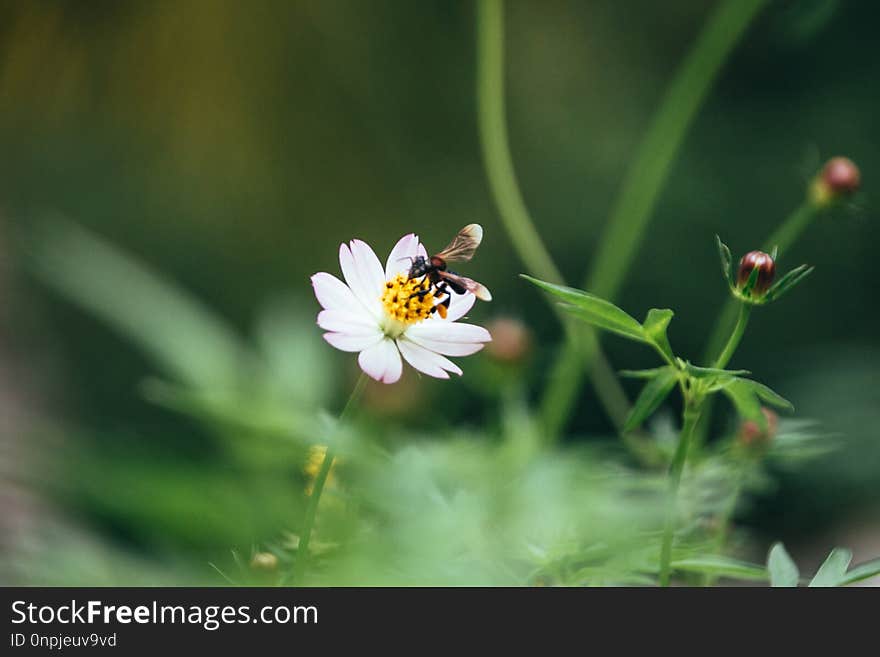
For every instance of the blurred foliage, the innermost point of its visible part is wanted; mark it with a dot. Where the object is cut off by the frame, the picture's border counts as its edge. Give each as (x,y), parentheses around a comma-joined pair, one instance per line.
(232,146)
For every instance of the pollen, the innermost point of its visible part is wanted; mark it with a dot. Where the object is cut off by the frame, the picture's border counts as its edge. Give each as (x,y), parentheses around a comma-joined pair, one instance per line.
(407,300)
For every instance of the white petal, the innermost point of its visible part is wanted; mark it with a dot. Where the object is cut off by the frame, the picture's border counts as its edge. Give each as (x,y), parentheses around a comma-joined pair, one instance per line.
(369,267)
(400,258)
(352,322)
(332,293)
(382,362)
(359,281)
(346,342)
(427,361)
(449,332)
(446,348)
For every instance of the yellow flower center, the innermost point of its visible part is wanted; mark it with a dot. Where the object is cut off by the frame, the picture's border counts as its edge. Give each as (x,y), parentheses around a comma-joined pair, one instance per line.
(406,301)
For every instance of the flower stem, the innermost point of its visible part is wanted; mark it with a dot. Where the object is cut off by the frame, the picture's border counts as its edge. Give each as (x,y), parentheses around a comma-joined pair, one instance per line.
(733,341)
(644,180)
(302,552)
(783,237)
(511,207)
(690,418)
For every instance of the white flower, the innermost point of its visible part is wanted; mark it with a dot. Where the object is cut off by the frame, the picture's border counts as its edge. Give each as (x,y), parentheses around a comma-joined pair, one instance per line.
(381,314)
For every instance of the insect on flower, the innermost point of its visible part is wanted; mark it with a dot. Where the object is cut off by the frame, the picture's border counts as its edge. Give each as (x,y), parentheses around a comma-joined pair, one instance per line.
(385,313)
(434,269)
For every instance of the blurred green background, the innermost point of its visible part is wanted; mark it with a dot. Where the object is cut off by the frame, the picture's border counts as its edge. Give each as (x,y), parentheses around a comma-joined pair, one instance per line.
(232,146)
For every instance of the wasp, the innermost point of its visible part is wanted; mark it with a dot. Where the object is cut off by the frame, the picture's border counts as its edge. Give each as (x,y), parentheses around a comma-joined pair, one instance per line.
(442,280)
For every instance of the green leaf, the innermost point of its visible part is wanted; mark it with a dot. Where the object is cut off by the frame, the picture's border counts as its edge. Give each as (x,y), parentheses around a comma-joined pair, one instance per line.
(709,372)
(863,571)
(654,326)
(788,281)
(833,571)
(652,395)
(767,395)
(774,252)
(643,374)
(593,310)
(783,571)
(723,567)
(198,347)
(726,259)
(746,401)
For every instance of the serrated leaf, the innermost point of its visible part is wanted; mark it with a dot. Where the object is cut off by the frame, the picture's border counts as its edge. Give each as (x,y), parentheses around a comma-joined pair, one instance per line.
(783,571)
(788,281)
(833,571)
(594,310)
(860,572)
(654,326)
(652,395)
(708,372)
(767,395)
(643,374)
(726,259)
(746,401)
(723,567)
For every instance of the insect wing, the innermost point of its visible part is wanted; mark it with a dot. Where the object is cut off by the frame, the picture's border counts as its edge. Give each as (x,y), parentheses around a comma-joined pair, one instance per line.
(463,245)
(468,284)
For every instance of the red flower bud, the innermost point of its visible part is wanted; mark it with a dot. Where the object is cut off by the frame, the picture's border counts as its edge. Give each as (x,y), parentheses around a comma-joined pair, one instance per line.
(841,175)
(511,340)
(839,178)
(766,270)
(751,434)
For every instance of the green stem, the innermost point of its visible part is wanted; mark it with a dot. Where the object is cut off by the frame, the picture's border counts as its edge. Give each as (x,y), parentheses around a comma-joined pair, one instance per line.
(646,177)
(690,419)
(733,341)
(302,551)
(511,207)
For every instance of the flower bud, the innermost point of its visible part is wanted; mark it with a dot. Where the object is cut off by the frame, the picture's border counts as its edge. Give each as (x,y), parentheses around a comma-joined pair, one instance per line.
(842,175)
(839,178)
(751,434)
(766,270)
(264,561)
(511,340)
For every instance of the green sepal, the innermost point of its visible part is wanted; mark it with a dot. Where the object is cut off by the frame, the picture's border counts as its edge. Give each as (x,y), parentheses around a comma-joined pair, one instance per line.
(651,396)
(783,571)
(726,260)
(751,282)
(788,281)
